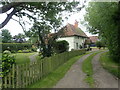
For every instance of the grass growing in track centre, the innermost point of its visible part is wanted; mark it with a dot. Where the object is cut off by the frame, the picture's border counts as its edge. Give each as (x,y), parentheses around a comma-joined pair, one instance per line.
(88,69)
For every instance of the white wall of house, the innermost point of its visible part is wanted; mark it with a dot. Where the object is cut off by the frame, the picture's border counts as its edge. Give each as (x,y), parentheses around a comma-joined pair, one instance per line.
(74,41)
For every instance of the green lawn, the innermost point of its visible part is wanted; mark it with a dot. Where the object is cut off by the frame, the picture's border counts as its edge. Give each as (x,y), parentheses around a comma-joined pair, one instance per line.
(109,64)
(88,69)
(22,58)
(55,76)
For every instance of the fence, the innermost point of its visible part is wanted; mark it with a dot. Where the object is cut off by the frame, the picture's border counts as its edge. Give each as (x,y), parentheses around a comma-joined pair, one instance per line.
(24,75)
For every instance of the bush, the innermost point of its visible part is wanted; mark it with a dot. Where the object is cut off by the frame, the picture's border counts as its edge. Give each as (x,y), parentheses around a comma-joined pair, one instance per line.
(7,52)
(34,49)
(61,46)
(14,47)
(26,51)
(20,51)
(7,61)
(100,44)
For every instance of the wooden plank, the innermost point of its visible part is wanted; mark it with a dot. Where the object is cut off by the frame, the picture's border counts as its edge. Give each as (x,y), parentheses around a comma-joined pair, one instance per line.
(17,76)
(21,76)
(9,80)
(5,84)
(41,69)
(33,72)
(13,76)
(26,75)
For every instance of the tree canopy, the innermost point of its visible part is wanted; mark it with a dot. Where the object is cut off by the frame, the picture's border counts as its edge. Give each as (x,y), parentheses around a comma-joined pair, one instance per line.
(103,18)
(6,36)
(45,10)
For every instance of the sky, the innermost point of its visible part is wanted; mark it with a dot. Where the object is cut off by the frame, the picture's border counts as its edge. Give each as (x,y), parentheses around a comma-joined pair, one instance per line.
(15,28)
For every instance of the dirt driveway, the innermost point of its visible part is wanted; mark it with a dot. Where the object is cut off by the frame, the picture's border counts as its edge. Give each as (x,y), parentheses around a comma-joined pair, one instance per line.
(74,78)
(103,79)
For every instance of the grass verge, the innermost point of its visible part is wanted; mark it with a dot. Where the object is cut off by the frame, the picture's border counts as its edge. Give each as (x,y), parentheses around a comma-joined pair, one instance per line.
(22,58)
(88,69)
(109,64)
(55,76)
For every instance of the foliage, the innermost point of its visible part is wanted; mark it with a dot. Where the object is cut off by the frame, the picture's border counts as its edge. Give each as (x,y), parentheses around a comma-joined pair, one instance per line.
(46,10)
(100,44)
(19,51)
(34,48)
(7,61)
(24,51)
(61,46)
(20,38)
(101,17)
(14,47)
(6,36)
(110,64)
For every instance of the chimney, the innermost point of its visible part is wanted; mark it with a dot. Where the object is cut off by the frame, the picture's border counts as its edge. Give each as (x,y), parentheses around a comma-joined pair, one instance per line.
(76,24)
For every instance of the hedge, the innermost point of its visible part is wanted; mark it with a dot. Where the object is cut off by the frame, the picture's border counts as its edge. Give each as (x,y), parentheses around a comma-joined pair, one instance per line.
(14,47)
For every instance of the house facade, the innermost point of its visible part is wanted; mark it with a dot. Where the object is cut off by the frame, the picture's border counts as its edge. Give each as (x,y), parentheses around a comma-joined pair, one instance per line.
(93,39)
(73,35)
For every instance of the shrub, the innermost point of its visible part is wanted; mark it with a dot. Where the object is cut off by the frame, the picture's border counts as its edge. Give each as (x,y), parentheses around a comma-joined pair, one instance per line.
(61,46)
(7,52)
(20,51)
(26,51)
(7,61)
(14,47)
(34,49)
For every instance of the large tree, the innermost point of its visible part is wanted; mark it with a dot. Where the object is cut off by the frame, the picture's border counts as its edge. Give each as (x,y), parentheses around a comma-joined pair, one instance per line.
(21,9)
(6,36)
(103,18)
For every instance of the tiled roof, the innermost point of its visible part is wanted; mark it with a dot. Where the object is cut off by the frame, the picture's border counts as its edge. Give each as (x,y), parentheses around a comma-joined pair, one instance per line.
(93,38)
(71,30)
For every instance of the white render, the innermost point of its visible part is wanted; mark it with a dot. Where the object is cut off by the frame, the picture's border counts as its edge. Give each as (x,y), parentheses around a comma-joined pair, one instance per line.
(74,41)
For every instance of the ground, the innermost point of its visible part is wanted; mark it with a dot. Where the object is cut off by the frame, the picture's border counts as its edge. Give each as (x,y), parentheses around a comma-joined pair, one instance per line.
(74,78)
(103,79)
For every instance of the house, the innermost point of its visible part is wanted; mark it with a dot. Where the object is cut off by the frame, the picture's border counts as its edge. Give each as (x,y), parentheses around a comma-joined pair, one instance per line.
(93,39)
(73,35)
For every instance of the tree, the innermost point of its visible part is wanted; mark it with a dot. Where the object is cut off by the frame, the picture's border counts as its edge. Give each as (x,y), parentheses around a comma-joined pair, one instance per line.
(20,38)
(41,32)
(99,44)
(20,9)
(6,36)
(103,18)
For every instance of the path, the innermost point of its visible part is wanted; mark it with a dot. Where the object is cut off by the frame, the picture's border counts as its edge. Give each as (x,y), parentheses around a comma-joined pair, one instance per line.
(33,57)
(74,78)
(103,79)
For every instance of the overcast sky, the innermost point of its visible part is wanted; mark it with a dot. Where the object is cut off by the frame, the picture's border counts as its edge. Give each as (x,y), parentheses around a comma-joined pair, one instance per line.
(15,28)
